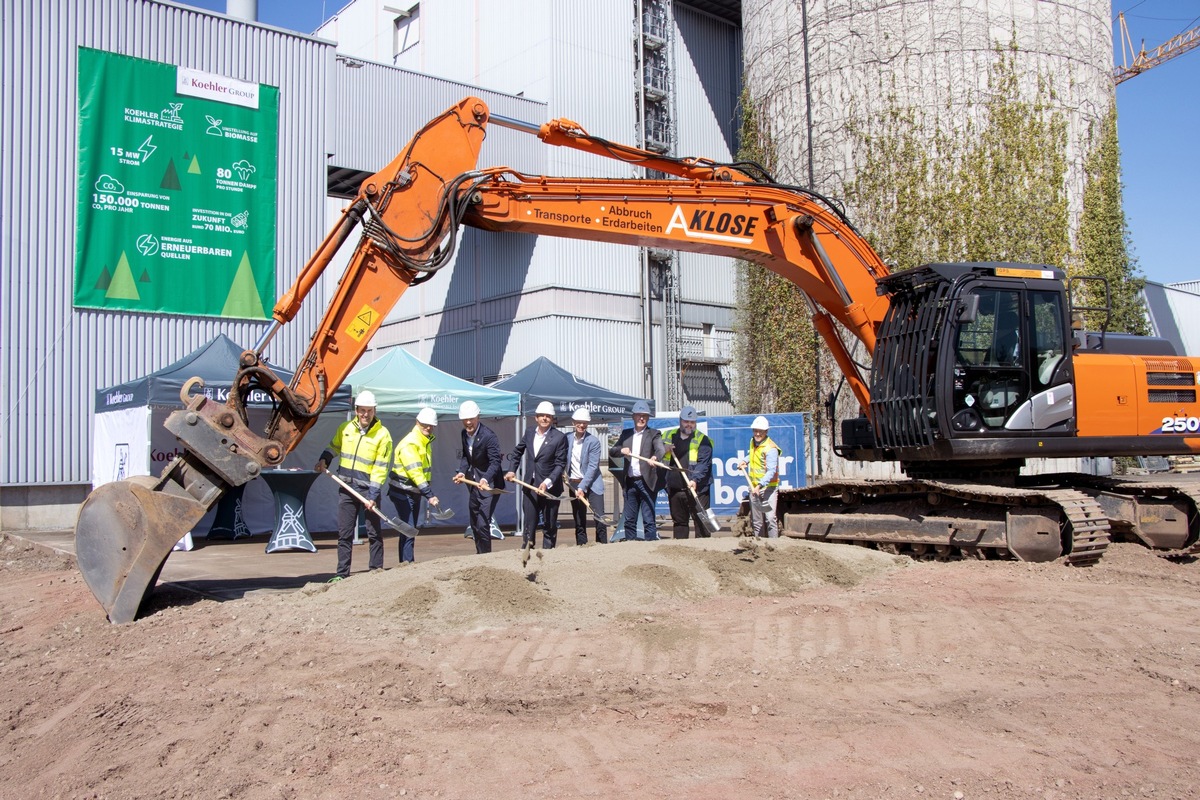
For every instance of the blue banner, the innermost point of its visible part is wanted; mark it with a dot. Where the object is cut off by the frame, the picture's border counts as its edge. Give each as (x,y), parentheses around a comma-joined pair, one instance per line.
(731,441)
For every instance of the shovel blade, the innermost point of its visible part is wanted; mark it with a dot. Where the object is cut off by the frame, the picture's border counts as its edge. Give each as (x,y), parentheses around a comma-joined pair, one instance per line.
(709,520)
(123,535)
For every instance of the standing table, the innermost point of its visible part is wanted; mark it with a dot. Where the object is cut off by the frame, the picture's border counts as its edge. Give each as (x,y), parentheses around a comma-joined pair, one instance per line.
(228,522)
(290,487)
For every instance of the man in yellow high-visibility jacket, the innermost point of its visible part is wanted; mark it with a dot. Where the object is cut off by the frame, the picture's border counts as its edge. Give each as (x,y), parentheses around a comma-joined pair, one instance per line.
(762,472)
(411,476)
(363,448)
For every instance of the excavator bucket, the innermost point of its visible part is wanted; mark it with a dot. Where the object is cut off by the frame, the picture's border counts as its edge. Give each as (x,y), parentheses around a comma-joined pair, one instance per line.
(123,536)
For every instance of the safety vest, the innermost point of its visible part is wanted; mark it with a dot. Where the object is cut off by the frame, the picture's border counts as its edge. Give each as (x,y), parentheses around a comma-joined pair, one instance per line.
(413,468)
(363,458)
(698,439)
(758,461)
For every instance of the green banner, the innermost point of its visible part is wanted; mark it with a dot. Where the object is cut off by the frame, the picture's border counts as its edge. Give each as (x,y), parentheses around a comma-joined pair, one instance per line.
(177,185)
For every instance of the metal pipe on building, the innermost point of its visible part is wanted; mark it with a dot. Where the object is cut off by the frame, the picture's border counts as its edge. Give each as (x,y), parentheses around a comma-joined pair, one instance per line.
(242,9)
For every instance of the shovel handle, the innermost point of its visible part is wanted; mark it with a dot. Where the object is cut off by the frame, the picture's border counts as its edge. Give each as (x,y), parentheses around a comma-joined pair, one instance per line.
(531,487)
(653,461)
(476,484)
(403,528)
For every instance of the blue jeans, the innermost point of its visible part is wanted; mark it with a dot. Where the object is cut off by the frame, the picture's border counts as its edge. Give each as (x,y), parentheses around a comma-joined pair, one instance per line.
(408,509)
(639,499)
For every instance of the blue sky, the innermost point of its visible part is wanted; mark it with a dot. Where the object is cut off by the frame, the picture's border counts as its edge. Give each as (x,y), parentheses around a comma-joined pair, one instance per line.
(1158,125)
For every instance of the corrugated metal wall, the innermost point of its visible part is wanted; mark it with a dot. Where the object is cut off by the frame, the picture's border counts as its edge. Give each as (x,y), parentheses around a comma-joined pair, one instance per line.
(53,356)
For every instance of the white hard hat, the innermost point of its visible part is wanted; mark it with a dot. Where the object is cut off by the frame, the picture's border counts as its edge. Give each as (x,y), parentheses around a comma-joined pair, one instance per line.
(366,399)
(760,424)
(427,416)
(582,415)
(468,410)
(545,407)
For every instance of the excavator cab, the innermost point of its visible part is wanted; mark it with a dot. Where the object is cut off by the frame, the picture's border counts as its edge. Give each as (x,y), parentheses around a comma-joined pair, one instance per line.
(1008,361)
(971,365)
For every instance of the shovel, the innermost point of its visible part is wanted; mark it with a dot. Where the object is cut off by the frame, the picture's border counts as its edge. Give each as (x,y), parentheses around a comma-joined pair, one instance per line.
(404,528)
(603,520)
(706,516)
(492,490)
(751,498)
(439,513)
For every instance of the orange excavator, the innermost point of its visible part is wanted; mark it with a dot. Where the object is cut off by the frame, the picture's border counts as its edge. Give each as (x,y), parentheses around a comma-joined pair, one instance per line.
(974,367)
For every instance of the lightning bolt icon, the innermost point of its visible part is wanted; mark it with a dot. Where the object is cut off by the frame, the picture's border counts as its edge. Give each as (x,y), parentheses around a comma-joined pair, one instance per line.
(146,149)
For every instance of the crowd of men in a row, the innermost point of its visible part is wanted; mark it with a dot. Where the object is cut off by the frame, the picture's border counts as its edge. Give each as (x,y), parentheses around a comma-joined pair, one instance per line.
(549,462)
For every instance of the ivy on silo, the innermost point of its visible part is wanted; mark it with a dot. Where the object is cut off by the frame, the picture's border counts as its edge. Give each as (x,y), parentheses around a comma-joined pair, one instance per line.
(1104,245)
(991,190)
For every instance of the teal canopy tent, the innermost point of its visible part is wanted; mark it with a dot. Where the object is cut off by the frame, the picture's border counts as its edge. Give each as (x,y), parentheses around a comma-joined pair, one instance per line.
(403,384)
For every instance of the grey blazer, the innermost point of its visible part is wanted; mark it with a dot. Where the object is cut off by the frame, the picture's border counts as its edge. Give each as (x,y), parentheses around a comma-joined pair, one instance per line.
(589,462)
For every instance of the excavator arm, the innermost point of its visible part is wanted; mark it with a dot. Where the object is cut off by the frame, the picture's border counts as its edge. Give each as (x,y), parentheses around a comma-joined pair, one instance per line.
(126,529)
(410,213)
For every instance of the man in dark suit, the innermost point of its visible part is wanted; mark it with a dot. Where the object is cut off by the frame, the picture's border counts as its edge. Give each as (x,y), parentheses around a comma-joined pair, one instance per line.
(544,448)
(480,463)
(641,481)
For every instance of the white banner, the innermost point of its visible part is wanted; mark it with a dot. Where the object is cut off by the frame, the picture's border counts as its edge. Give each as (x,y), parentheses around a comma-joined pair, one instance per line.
(122,447)
(195,83)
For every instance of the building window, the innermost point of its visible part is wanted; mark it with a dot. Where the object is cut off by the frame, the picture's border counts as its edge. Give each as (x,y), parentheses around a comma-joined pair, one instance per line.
(406,30)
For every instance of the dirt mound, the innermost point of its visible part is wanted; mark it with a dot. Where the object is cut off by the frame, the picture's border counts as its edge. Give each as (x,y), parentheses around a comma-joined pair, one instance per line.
(701,669)
(578,587)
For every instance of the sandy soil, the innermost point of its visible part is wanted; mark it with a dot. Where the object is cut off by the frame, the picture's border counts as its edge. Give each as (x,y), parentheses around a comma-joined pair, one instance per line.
(698,669)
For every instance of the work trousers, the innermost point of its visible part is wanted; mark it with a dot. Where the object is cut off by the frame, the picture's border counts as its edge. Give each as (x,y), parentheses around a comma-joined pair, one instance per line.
(763,520)
(580,512)
(347,517)
(535,505)
(639,500)
(480,508)
(683,509)
(408,509)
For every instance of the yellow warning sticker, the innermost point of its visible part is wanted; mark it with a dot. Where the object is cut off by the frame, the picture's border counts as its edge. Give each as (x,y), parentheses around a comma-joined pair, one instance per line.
(362,323)
(1011,272)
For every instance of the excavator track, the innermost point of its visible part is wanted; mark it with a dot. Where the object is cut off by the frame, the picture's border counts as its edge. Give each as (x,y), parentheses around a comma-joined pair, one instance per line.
(1160,511)
(941,518)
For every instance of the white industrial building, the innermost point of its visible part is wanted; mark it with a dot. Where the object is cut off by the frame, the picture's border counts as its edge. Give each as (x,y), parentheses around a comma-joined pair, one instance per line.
(660,75)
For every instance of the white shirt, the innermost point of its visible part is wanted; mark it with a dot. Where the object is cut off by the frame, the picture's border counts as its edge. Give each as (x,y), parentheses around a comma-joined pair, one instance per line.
(635,446)
(577,456)
(538,438)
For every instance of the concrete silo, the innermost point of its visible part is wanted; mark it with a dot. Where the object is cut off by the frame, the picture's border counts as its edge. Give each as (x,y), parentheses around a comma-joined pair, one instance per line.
(823,73)
(816,68)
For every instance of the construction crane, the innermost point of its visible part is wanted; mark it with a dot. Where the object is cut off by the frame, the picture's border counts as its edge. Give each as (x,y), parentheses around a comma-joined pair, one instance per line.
(1132,64)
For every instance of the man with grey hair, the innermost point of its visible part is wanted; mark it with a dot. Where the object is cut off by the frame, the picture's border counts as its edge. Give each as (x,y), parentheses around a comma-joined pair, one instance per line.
(640,480)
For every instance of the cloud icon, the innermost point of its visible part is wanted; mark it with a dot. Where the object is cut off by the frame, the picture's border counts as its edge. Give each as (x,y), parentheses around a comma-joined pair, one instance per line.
(107,183)
(244,168)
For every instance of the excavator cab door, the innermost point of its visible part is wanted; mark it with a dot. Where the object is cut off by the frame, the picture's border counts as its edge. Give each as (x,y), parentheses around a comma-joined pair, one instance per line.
(1010,370)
